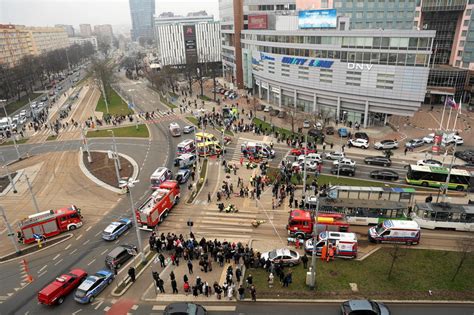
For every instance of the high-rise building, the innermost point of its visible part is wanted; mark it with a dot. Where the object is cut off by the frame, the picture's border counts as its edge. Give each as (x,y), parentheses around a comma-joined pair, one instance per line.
(313,60)
(187,39)
(83,40)
(142,12)
(18,41)
(68,28)
(86,30)
(104,32)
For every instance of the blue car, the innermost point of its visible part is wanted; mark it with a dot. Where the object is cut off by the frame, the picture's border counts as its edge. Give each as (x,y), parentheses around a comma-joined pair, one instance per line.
(182,175)
(93,285)
(115,229)
(342,132)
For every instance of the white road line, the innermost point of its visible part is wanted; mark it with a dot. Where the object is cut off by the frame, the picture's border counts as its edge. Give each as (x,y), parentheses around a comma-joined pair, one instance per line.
(58,262)
(56,257)
(134,307)
(42,274)
(106,309)
(42,268)
(75,250)
(97,234)
(117,241)
(105,251)
(79,310)
(67,247)
(99,304)
(79,237)
(92,261)
(88,229)
(86,242)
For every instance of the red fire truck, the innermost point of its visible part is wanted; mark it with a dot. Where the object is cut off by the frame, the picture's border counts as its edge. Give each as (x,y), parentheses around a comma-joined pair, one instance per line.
(300,224)
(158,205)
(49,223)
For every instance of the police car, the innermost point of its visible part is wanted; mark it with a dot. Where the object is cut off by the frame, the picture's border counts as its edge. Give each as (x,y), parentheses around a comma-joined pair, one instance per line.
(92,286)
(115,229)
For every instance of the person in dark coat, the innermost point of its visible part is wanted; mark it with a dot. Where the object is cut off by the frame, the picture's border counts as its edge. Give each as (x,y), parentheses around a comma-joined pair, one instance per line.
(131,274)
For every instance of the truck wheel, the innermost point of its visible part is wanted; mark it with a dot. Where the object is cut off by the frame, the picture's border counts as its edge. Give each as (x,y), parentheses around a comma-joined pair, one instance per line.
(424,184)
(459,188)
(72,228)
(61,300)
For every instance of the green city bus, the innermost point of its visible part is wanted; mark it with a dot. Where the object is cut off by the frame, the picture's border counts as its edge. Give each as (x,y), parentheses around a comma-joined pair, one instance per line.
(434,176)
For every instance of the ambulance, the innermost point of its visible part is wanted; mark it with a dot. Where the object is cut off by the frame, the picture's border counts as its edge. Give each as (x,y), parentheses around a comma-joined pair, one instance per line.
(345,244)
(186,146)
(395,231)
(257,148)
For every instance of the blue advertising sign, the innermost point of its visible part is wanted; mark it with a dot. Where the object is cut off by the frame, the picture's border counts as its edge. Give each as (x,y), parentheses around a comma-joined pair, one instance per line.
(309,62)
(266,57)
(317,18)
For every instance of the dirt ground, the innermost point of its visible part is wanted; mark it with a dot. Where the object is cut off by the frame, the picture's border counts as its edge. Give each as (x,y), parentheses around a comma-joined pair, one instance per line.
(57,182)
(103,168)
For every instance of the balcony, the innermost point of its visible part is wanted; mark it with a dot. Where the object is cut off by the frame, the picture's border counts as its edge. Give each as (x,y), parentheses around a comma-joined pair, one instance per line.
(443,5)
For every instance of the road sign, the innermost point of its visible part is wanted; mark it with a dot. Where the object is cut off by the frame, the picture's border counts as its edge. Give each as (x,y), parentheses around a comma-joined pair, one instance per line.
(131,105)
(37,236)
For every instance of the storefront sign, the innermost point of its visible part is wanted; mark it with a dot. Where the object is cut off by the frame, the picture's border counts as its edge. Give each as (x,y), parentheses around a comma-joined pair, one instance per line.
(258,22)
(359,66)
(310,62)
(266,57)
(189,32)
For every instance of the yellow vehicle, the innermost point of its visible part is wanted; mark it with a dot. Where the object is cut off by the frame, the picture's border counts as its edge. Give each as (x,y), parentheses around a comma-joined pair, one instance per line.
(205,137)
(209,148)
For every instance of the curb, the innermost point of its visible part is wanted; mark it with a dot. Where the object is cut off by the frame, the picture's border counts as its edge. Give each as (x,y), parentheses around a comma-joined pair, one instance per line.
(202,186)
(368,254)
(14,179)
(98,181)
(341,301)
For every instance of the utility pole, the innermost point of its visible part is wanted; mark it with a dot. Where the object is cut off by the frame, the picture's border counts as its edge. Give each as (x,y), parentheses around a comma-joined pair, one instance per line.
(115,149)
(304,166)
(449,172)
(33,198)
(312,284)
(5,165)
(86,145)
(105,96)
(10,127)
(10,231)
(117,172)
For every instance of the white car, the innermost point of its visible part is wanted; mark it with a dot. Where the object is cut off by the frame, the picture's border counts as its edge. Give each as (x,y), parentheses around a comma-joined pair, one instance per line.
(284,256)
(311,166)
(429,138)
(344,161)
(359,143)
(267,109)
(188,129)
(306,124)
(312,157)
(23,113)
(455,139)
(335,155)
(429,163)
(386,145)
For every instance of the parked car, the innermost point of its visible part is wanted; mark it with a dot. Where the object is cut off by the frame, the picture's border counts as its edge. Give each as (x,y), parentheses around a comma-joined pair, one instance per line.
(365,307)
(361,135)
(415,143)
(311,157)
(315,133)
(56,291)
(298,151)
(378,160)
(44,98)
(342,132)
(119,255)
(344,161)
(358,143)
(282,114)
(183,175)
(115,229)
(267,108)
(285,256)
(429,162)
(330,130)
(429,138)
(260,107)
(467,155)
(335,155)
(184,308)
(384,175)
(386,145)
(189,129)
(306,124)
(93,285)
(274,112)
(455,139)
(345,170)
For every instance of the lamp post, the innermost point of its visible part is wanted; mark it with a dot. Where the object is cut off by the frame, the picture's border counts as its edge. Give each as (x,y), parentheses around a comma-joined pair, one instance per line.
(115,149)
(129,184)
(10,126)
(105,96)
(10,231)
(5,165)
(33,198)
(312,284)
(449,172)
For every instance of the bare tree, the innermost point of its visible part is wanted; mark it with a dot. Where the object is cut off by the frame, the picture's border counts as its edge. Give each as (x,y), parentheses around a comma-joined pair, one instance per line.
(200,77)
(190,73)
(395,253)
(215,70)
(293,117)
(466,246)
(104,46)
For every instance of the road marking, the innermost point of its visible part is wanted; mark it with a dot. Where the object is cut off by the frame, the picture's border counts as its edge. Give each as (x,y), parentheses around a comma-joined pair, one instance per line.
(126,232)
(67,247)
(105,250)
(79,237)
(106,309)
(43,273)
(91,262)
(117,241)
(79,310)
(97,234)
(88,229)
(75,250)
(58,262)
(43,268)
(134,307)
(99,303)
(86,242)
(56,257)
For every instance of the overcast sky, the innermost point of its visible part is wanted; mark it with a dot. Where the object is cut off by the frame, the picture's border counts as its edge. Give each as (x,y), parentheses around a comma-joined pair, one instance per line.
(75,12)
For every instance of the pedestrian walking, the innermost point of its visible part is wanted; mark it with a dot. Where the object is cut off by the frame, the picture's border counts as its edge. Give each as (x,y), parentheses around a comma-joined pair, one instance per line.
(305,259)
(270,280)
(190,267)
(249,280)
(253,293)
(174,285)
(241,291)
(209,197)
(131,274)
(162,260)
(406,150)
(161,285)
(238,274)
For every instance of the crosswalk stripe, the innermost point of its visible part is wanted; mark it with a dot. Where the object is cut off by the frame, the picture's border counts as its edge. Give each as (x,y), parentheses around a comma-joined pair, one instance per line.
(223,222)
(217,228)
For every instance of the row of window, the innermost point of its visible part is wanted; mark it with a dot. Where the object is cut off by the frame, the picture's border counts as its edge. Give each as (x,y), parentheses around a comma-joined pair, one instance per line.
(273,7)
(401,43)
(401,59)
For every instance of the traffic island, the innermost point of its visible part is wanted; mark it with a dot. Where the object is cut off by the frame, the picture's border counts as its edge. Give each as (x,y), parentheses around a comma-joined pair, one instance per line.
(135,131)
(200,183)
(415,274)
(140,267)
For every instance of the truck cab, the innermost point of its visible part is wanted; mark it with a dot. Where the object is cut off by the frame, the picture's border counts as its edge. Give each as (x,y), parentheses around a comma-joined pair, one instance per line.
(56,291)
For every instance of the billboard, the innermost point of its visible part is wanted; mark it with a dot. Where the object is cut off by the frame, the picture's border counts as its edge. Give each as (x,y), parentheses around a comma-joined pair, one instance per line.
(258,22)
(190,46)
(317,19)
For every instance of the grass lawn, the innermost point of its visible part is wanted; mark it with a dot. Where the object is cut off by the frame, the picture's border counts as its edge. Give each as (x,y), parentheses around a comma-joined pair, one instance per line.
(16,105)
(192,120)
(414,273)
(21,141)
(205,98)
(130,131)
(52,137)
(117,106)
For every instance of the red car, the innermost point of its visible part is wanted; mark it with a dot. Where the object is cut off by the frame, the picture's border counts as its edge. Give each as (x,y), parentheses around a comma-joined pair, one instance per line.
(298,151)
(56,291)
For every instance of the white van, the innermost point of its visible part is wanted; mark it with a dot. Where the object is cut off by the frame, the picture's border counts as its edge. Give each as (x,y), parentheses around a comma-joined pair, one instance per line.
(395,231)
(175,129)
(185,160)
(345,243)
(160,175)
(186,146)
(257,147)
(311,157)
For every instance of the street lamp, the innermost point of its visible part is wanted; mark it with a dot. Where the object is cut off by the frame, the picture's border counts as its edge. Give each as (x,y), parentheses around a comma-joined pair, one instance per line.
(115,148)
(5,165)
(10,127)
(10,231)
(312,284)
(129,184)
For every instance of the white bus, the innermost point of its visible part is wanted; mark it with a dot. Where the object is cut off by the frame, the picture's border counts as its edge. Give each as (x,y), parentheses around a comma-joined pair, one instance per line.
(444,215)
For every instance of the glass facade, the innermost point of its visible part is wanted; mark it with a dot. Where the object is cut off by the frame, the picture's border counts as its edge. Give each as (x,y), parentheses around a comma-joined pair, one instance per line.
(142,12)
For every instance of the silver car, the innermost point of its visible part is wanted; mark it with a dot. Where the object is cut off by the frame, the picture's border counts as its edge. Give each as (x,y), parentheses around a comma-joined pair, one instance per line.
(386,145)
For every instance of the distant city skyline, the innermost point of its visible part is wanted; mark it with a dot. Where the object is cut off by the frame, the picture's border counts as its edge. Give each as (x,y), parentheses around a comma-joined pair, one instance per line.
(75,12)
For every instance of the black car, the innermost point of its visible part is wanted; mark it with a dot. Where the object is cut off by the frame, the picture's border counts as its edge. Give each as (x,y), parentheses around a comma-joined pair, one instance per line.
(184,308)
(378,160)
(384,175)
(330,130)
(345,170)
(361,135)
(467,156)
(119,255)
(274,112)
(316,133)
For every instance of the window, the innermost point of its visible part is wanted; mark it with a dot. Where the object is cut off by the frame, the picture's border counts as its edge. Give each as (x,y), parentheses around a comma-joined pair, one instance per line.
(459,53)
(324,4)
(458,63)
(466,23)
(338,4)
(461,43)
(468,12)
(417,13)
(464,33)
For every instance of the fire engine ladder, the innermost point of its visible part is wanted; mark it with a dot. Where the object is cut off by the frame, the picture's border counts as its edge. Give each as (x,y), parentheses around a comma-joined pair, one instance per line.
(42,216)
